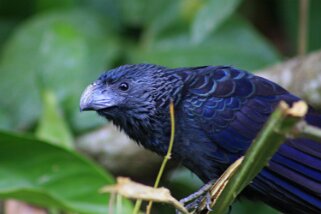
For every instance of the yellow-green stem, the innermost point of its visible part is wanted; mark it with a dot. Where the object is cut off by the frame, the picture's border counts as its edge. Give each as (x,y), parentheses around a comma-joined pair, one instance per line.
(137,206)
(168,155)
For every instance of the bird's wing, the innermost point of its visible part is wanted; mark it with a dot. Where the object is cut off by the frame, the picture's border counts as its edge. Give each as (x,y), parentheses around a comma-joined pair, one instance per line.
(231,106)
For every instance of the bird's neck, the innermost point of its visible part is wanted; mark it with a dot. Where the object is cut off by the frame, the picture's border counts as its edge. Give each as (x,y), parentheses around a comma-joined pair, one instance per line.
(151,127)
(148,132)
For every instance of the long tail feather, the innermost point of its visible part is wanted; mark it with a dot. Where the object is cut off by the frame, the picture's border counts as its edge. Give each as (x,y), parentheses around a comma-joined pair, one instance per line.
(293,176)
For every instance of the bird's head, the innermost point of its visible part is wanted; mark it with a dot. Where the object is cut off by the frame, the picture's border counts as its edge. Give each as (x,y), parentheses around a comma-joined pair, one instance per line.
(130,95)
(123,89)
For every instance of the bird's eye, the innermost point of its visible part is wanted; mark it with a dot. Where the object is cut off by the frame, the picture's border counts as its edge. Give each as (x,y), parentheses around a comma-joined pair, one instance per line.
(123,86)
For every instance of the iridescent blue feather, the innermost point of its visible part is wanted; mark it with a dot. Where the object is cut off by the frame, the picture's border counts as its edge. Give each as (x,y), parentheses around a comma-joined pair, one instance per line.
(236,107)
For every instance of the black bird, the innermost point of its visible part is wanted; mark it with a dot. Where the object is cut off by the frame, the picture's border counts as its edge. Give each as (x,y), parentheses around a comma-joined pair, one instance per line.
(219,110)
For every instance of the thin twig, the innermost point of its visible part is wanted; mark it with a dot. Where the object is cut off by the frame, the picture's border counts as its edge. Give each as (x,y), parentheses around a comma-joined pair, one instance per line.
(111,202)
(130,189)
(138,204)
(303,27)
(307,131)
(168,155)
(119,203)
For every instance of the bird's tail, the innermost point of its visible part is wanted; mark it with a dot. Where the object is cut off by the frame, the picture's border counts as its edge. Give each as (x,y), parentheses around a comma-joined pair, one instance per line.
(293,177)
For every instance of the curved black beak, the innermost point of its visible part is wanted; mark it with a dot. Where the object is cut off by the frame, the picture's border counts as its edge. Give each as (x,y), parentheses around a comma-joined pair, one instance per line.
(86,100)
(94,98)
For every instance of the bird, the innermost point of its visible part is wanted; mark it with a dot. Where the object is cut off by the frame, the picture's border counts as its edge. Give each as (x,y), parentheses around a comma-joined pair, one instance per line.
(219,110)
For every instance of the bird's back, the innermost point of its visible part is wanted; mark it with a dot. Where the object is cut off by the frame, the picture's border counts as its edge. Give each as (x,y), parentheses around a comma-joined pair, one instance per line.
(224,109)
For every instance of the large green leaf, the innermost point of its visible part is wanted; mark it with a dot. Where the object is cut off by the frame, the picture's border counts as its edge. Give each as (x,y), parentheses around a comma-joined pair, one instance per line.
(48,175)
(201,17)
(210,16)
(52,125)
(234,43)
(61,50)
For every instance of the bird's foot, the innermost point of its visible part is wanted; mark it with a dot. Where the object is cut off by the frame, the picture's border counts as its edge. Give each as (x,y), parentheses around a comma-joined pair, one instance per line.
(193,201)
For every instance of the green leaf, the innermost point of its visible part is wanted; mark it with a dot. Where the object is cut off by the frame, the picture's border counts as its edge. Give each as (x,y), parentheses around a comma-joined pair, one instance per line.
(5,122)
(65,50)
(209,18)
(245,207)
(143,13)
(52,126)
(44,174)
(110,9)
(170,18)
(166,21)
(133,11)
(235,43)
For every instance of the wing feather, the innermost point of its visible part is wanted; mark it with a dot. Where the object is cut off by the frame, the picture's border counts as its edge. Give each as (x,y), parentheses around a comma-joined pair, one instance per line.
(232,106)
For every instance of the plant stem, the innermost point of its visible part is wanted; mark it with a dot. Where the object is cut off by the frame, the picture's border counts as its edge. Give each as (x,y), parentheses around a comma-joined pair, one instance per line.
(303,27)
(307,131)
(168,154)
(119,204)
(138,204)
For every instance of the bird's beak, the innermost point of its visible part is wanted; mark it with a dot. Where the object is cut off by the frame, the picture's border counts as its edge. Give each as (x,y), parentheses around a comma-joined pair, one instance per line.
(93,99)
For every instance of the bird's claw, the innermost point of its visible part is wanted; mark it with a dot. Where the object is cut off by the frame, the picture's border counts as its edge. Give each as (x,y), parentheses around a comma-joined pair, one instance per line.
(194,200)
(194,204)
(208,201)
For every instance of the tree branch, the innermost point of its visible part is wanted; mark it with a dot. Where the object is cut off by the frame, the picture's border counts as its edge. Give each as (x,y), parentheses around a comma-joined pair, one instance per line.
(119,154)
(307,131)
(301,76)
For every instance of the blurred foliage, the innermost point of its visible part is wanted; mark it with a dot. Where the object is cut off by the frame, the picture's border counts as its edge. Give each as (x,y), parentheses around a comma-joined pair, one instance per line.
(61,50)
(48,175)
(210,16)
(65,44)
(52,125)
(50,50)
(289,13)
(220,48)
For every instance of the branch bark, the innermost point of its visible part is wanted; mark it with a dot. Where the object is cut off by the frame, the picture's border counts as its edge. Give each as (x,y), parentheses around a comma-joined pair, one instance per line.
(300,75)
(117,153)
